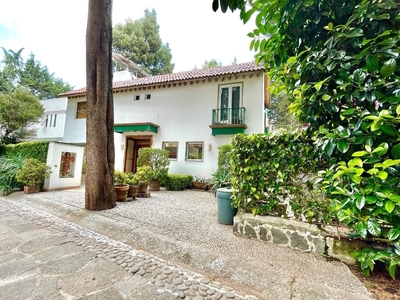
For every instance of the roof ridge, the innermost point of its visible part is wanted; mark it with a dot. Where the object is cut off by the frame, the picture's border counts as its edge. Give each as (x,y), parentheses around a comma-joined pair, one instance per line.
(179,76)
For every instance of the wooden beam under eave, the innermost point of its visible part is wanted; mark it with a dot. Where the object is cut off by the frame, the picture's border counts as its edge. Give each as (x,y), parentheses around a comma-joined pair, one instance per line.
(267,94)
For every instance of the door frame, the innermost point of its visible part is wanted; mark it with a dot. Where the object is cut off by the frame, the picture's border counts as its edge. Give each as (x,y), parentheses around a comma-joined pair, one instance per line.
(140,141)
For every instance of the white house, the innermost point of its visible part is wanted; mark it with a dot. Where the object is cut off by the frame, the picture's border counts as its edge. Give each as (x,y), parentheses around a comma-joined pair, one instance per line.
(51,127)
(188,113)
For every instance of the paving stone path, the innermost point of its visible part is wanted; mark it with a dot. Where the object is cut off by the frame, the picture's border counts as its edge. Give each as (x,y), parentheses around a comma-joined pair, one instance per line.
(168,280)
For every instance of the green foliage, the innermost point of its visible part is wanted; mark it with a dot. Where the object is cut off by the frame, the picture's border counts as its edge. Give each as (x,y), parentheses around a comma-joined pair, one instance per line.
(156,159)
(120,178)
(178,182)
(221,178)
(140,42)
(211,64)
(33,172)
(17,110)
(34,149)
(279,115)
(223,161)
(340,63)
(131,179)
(40,82)
(144,173)
(390,256)
(9,167)
(29,75)
(268,169)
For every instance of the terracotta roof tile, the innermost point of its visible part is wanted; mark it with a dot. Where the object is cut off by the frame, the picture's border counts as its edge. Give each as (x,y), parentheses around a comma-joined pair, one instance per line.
(180,76)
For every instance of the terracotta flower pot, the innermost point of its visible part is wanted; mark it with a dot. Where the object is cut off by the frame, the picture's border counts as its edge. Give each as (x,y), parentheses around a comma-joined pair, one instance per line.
(142,188)
(31,189)
(154,185)
(132,191)
(121,192)
(198,185)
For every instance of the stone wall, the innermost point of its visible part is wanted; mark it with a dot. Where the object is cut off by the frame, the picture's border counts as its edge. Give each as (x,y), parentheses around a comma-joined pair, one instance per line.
(329,241)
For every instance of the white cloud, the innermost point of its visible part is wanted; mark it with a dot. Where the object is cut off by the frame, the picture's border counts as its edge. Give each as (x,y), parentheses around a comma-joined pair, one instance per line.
(55,32)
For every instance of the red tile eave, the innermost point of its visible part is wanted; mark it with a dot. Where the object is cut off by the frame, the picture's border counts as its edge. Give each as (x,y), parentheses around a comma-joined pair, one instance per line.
(176,77)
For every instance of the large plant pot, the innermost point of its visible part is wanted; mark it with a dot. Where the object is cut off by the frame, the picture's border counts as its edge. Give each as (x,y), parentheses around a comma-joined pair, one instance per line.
(31,189)
(121,192)
(142,187)
(154,185)
(198,185)
(225,210)
(132,191)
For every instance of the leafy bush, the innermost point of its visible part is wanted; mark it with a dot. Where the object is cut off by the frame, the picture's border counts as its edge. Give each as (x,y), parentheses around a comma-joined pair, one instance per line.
(219,179)
(120,178)
(9,168)
(156,159)
(131,179)
(144,173)
(34,149)
(33,172)
(178,182)
(269,169)
(339,62)
(224,156)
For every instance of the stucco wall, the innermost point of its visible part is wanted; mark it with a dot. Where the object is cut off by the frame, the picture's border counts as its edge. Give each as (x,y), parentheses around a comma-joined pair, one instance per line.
(56,181)
(184,114)
(52,107)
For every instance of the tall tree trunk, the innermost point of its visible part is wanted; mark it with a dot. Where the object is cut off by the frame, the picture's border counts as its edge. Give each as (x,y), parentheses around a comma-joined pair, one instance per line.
(100,154)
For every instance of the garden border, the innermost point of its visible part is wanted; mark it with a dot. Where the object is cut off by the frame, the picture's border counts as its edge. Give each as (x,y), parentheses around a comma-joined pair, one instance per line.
(331,241)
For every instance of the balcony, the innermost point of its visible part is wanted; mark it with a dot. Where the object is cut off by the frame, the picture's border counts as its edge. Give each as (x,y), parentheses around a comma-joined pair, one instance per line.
(228,121)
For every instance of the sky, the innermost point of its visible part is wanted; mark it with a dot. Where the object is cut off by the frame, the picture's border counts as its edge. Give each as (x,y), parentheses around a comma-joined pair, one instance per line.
(55,32)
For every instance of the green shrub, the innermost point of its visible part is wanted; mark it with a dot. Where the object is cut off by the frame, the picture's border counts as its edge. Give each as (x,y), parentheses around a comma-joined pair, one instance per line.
(156,159)
(33,172)
(9,167)
(224,156)
(131,179)
(178,182)
(144,173)
(34,149)
(119,178)
(268,169)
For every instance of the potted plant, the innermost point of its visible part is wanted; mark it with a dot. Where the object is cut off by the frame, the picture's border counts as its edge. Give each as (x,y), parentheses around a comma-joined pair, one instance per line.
(121,188)
(200,182)
(158,161)
(32,174)
(143,175)
(133,182)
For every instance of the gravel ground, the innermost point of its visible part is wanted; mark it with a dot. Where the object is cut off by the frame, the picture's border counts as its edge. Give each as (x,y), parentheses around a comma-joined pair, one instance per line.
(182,227)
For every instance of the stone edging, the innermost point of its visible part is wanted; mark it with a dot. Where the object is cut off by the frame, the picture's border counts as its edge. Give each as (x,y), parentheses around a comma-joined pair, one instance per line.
(329,241)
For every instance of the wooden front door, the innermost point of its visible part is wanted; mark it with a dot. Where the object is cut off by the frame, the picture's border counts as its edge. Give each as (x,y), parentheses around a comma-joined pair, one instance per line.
(133,144)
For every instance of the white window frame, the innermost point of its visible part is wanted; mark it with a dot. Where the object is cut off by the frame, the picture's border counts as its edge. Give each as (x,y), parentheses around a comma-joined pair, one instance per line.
(229,107)
(136,97)
(164,144)
(77,107)
(187,151)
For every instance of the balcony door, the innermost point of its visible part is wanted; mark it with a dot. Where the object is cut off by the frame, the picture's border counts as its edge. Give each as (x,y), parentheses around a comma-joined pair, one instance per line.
(230,99)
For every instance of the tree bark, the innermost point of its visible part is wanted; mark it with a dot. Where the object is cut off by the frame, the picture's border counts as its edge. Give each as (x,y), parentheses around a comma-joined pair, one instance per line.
(100,153)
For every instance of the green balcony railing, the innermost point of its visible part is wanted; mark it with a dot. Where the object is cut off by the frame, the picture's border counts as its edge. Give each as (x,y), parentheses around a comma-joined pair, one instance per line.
(229,116)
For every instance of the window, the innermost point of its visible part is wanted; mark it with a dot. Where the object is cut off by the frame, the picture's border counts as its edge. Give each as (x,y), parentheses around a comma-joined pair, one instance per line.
(81,110)
(67,163)
(137,97)
(194,151)
(51,120)
(172,148)
(148,96)
(230,100)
